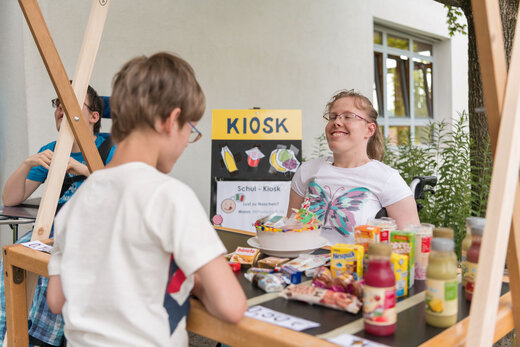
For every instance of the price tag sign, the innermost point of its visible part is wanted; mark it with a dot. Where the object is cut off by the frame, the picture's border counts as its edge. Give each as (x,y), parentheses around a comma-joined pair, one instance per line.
(281,319)
(347,340)
(38,246)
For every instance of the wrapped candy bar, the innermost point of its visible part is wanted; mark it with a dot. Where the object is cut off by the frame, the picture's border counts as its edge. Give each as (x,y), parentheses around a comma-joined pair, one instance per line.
(323,278)
(272,262)
(269,282)
(344,283)
(323,297)
(308,261)
(245,256)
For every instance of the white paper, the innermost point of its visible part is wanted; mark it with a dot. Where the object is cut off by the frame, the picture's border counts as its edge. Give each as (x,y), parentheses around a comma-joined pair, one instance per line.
(241,203)
(281,319)
(38,246)
(348,340)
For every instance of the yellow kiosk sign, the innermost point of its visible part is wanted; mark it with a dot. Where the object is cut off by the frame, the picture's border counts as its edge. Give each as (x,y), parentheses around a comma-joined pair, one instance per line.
(256,125)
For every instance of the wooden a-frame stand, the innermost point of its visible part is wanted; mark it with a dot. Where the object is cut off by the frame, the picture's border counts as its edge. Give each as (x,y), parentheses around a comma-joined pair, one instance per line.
(75,128)
(504,198)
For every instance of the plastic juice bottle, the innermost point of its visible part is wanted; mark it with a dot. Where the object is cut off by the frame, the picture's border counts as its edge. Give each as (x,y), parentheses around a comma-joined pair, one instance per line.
(423,238)
(443,233)
(379,296)
(441,285)
(472,261)
(466,243)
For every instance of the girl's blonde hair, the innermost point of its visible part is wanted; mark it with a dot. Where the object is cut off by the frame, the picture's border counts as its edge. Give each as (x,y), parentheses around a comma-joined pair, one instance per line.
(375,146)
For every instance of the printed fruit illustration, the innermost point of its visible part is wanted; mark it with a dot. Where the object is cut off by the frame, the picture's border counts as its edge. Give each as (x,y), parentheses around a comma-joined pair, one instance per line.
(274,163)
(436,305)
(284,155)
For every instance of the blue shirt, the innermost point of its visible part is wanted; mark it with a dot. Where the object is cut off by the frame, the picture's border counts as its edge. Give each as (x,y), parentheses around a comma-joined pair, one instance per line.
(39,173)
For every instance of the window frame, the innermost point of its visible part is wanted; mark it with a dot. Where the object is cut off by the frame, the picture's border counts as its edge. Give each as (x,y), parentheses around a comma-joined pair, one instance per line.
(388,118)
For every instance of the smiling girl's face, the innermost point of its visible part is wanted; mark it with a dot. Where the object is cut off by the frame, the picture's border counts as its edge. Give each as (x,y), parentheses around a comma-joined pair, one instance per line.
(344,135)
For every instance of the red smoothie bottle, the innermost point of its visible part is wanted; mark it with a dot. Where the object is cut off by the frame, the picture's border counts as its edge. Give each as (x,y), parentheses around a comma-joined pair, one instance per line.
(379,292)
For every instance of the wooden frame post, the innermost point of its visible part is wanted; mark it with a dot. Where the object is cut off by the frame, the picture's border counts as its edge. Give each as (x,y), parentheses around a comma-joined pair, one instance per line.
(71,98)
(504,199)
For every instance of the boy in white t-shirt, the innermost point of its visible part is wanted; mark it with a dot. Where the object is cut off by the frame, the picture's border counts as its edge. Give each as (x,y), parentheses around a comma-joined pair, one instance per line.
(115,239)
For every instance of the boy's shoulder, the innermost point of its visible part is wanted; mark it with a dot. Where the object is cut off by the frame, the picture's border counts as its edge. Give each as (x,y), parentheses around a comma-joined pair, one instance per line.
(141,176)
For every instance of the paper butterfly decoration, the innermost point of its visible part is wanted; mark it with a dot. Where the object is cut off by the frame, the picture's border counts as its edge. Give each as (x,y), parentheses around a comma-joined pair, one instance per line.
(336,211)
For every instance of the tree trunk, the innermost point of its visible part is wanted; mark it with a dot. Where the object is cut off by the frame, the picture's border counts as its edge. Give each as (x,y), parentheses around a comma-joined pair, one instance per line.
(480,152)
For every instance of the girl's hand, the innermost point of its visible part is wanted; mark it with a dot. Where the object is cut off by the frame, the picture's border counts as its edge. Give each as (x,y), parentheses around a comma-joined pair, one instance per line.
(43,158)
(74,167)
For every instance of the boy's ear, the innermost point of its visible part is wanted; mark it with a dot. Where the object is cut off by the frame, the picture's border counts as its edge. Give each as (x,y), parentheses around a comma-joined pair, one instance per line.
(94,117)
(172,121)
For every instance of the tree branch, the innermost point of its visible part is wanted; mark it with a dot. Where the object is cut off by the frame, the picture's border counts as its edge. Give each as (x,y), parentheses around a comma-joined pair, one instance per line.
(454,3)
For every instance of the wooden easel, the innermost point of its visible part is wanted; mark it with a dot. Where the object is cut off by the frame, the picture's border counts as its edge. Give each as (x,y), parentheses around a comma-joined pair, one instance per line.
(71,98)
(504,198)
(503,204)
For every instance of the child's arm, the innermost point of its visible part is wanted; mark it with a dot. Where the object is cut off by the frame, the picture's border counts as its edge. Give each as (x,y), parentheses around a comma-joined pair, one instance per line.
(295,201)
(55,296)
(218,289)
(18,187)
(404,212)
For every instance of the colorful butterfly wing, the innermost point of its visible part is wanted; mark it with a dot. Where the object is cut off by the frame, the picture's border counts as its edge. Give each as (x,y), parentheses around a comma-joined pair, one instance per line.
(342,217)
(319,202)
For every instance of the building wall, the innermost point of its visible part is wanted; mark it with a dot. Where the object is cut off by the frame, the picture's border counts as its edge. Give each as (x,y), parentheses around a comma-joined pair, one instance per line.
(279,54)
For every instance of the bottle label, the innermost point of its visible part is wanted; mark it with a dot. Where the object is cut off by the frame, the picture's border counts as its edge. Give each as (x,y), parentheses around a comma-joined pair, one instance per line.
(470,276)
(463,270)
(425,244)
(441,297)
(379,305)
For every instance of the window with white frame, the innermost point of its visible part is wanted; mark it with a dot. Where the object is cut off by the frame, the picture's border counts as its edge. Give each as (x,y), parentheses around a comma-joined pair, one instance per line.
(403,81)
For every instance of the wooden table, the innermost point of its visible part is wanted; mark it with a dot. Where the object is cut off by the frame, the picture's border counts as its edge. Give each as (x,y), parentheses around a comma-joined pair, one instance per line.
(411,329)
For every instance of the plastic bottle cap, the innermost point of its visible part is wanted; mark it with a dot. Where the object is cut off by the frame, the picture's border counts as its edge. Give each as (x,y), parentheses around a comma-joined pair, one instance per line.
(382,249)
(442,245)
(471,221)
(477,229)
(444,233)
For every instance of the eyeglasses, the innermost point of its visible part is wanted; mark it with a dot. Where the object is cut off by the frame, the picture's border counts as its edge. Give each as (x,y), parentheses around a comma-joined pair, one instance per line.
(57,102)
(195,134)
(345,117)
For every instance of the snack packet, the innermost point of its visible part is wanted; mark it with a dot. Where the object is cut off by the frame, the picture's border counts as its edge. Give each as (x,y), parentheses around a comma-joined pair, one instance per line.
(308,261)
(323,297)
(269,282)
(365,234)
(343,283)
(272,262)
(244,255)
(346,259)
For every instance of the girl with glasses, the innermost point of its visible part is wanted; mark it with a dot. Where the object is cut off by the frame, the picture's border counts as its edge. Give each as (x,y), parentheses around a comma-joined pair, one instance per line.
(351,186)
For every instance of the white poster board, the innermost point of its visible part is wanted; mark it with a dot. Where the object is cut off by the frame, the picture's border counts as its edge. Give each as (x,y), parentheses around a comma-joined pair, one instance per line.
(240,203)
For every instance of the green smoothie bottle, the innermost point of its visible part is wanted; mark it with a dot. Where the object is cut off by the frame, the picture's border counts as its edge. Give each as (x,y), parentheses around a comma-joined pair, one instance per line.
(441,284)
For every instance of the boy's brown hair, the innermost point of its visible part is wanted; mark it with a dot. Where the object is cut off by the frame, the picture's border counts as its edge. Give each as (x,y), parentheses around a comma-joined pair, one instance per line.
(150,88)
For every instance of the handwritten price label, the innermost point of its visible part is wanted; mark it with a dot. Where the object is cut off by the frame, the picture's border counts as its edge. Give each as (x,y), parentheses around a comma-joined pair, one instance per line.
(281,319)
(38,246)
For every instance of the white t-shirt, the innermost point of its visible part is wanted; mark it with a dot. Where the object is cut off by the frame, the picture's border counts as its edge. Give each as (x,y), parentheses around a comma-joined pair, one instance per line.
(113,245)
(344,198)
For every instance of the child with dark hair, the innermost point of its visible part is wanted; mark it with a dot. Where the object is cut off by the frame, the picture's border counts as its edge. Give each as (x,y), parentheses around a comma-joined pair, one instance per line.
(110,265)
(45,327)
